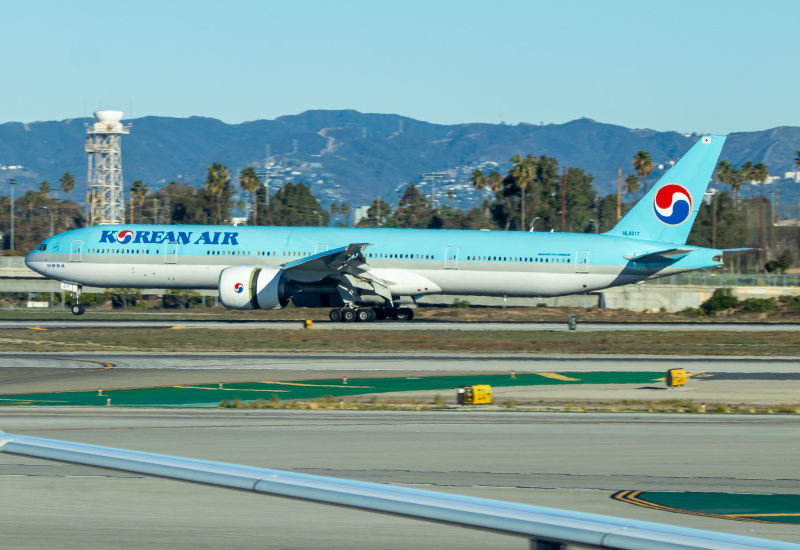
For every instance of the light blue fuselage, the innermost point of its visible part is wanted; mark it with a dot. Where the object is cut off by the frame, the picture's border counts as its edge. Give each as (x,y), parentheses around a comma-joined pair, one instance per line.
(413,262)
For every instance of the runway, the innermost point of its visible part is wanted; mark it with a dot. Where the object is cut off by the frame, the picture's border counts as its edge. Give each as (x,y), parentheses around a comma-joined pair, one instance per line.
(573,461)
(417,325)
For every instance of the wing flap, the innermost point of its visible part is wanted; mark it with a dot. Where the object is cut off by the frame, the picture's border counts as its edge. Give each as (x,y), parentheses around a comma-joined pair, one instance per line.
(330,261)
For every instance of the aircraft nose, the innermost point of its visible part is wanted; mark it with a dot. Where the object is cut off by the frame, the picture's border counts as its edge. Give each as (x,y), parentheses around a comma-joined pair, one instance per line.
(30,261)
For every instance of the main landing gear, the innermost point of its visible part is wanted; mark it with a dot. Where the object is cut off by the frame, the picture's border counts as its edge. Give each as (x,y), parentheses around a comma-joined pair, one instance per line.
(367,315)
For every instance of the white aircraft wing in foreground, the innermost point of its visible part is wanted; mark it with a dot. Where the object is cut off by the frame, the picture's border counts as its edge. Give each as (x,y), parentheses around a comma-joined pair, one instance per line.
(545,528)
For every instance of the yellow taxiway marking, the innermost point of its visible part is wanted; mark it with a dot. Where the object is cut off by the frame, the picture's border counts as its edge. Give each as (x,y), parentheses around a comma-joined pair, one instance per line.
(178,326)
(223,389)
(314,385)
(36,328)
(556,376)
(763,515)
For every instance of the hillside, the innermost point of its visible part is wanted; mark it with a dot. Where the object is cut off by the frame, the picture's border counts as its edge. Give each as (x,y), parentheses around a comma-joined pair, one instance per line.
(355,156)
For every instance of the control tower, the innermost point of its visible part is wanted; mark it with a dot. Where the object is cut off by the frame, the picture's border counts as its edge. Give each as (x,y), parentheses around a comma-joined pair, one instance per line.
(105,201)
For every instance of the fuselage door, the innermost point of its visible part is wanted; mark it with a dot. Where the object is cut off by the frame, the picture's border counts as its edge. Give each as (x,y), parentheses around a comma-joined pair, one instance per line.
(581,261)
(75,251)
(451,257)
(171,252)
(320,248)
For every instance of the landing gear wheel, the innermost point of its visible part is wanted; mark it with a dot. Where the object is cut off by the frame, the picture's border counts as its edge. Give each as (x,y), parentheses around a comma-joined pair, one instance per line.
(349,315)
(335,315)
(78,309)
(372,315)
(389,314)
(363,315)
(404,314)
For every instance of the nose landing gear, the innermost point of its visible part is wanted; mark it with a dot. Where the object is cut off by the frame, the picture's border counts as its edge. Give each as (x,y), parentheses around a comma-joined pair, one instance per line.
(77,308)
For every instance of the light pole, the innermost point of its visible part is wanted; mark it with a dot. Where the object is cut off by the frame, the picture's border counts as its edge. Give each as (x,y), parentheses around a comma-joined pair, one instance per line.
(534,222)
(12,182)
(594,223)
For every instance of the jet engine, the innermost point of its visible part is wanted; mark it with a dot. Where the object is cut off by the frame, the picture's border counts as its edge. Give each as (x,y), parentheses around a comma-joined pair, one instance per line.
(251,287)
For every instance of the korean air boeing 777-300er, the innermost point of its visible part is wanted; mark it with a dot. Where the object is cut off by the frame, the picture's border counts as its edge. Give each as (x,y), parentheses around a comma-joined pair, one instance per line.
(364,274)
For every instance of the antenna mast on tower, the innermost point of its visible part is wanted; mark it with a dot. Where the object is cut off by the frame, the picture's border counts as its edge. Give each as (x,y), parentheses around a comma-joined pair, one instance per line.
(105,201)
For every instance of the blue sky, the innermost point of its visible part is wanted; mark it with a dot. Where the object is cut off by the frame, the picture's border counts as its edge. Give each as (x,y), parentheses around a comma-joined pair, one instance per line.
(708,66)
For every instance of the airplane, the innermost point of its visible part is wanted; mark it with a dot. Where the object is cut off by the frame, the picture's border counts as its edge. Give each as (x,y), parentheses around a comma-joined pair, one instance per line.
(369,274)
(544,528)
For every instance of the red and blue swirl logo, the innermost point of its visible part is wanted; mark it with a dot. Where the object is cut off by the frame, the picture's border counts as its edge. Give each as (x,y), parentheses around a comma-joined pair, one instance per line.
(672,204)
(125,236)
(238,288)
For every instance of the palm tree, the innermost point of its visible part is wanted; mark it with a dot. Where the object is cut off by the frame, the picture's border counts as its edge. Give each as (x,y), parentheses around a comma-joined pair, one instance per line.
(747,175)
(345,210)
(67,183)
(248,179)
(735,180)
(632,185)
(643,164)
(723,172)
(44,189)
(217,181)
(478,181)
(138,193)
(523,173)
(761,175)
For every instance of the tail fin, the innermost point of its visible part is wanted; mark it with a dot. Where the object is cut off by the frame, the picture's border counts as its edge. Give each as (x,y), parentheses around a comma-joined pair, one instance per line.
(666,213)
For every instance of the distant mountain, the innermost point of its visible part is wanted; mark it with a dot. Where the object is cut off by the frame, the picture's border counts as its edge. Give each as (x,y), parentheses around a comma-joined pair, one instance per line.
(355,156)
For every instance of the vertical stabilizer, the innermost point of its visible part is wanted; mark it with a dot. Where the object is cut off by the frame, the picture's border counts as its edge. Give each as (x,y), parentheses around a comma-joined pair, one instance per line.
(667,212)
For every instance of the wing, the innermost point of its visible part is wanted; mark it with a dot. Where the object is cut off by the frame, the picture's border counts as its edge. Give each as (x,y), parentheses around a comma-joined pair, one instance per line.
(545,527)
(346,267)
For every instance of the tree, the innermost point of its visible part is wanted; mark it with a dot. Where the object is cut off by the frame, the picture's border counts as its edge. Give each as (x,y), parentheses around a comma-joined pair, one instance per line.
(478,181)
(643,164)
(44,189)
(523,172)
(735,180)
(377,214)
(747,175)
(67,183)
(294,205)
(218,183)
(248,180)
(414,210)
(760,174)
(138,193)
(632,185)
(344,208)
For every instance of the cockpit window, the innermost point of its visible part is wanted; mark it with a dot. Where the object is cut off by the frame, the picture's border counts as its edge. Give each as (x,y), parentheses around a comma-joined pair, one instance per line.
(42,247)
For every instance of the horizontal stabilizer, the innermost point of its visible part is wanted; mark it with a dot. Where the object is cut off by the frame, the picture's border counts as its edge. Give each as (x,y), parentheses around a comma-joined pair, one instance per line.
(668,254)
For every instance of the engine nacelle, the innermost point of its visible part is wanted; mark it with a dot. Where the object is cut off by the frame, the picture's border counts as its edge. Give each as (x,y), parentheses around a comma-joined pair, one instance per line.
(251,287)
